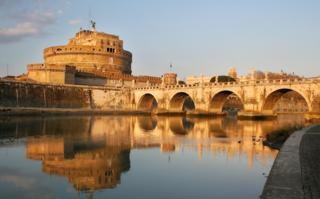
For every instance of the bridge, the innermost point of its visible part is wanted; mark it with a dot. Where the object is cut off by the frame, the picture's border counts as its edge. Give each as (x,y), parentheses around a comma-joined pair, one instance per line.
(258,97)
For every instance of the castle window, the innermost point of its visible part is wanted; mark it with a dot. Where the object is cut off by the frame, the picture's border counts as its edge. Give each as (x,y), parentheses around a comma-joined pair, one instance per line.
(59,49)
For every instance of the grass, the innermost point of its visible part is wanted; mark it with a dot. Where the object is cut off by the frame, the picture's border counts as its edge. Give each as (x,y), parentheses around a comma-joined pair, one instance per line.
(276,138)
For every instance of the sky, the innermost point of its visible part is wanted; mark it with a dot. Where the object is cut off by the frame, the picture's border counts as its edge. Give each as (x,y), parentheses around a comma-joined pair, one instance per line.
(198,37)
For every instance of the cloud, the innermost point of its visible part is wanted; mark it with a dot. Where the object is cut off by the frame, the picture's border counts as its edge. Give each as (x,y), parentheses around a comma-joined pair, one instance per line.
(37,17)
(28,186)
(18,32)
(74,21)
(19,181)
(28,24)
(9,3)
(60,11)
(22,19)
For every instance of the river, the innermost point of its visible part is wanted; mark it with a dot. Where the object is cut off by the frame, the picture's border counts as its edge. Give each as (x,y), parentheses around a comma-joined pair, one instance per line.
(135,157)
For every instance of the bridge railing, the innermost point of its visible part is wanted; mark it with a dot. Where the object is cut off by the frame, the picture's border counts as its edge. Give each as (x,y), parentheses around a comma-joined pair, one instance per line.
(197,85)
(228,84)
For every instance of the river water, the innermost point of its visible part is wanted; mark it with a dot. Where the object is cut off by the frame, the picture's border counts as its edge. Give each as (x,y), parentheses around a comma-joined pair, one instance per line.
(135,157)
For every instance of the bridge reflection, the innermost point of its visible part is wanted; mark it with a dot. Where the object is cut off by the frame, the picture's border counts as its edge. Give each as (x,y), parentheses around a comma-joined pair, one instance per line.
(93,152)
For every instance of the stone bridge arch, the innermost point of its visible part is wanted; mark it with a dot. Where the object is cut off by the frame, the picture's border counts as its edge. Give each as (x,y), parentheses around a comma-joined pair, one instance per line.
(181,101)
(273,96)
(180,125)
(147,102)
(219,98)
(147,123)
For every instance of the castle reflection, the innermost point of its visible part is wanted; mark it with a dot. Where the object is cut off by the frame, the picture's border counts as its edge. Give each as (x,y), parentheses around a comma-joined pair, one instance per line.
(93,152)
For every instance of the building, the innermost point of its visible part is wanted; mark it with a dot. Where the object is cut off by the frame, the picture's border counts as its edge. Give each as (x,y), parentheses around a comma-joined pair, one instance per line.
(89,58)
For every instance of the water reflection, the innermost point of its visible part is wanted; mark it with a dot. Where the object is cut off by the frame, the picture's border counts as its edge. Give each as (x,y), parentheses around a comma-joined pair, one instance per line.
(92,153)
(87,164)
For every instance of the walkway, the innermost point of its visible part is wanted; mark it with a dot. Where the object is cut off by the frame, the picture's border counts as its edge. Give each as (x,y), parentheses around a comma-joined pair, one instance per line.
(310,162)
(295,173)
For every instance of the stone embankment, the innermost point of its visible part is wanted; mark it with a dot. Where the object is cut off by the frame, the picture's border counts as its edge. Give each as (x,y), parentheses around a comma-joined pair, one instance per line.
(296,171)
(24,98)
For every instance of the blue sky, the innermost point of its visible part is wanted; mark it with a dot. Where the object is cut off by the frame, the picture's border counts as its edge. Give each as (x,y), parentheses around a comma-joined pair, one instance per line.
(196,36)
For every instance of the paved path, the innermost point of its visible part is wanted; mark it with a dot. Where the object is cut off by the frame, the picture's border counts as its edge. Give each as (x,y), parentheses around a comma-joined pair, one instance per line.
(310,162)
(295,173)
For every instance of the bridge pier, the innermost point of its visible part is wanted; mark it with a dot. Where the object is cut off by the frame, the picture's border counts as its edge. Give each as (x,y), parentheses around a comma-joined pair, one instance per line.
(167,112)
(246,115)
(192,113)
(312,116)
(203,113)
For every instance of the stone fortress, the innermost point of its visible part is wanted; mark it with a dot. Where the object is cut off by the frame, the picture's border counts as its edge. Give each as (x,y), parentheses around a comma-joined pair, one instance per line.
(89,58)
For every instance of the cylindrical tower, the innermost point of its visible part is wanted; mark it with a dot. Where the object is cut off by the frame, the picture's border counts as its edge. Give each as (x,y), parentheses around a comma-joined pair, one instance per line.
(91,51)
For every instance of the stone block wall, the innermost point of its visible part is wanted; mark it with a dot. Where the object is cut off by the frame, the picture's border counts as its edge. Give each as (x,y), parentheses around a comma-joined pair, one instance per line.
(30,95)
(46,96)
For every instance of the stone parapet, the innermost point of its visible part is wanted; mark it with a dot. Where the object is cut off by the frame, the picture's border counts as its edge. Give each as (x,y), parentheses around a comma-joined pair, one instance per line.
(38,67)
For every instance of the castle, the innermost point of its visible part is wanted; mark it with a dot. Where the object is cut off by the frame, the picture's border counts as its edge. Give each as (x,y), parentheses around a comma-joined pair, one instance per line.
(89,58)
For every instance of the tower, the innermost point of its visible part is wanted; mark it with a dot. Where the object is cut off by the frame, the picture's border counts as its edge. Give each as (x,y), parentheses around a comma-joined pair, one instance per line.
(233,72)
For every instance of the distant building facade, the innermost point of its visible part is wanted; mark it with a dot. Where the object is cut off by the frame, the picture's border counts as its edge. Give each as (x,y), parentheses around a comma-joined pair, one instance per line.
(233,76)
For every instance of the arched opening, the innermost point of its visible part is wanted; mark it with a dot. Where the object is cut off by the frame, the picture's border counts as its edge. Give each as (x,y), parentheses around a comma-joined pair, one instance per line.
(147,103)
(222,78)
(180,126)
(147,123)
(285,101)
(181,102)
(226,101)
(215,128)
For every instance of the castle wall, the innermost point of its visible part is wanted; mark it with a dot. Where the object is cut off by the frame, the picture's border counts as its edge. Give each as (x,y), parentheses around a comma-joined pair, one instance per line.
(69,77)
(51,73)
(111,99)
(89,59)
(56,76)
(38,75)
(91,81)
(31,95)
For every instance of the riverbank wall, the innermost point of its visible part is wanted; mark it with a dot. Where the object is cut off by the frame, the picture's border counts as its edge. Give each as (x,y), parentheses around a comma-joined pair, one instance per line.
(294,173)
(29,97)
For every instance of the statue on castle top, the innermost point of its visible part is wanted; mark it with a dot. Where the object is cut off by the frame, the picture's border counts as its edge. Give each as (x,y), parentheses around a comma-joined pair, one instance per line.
(93,24)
